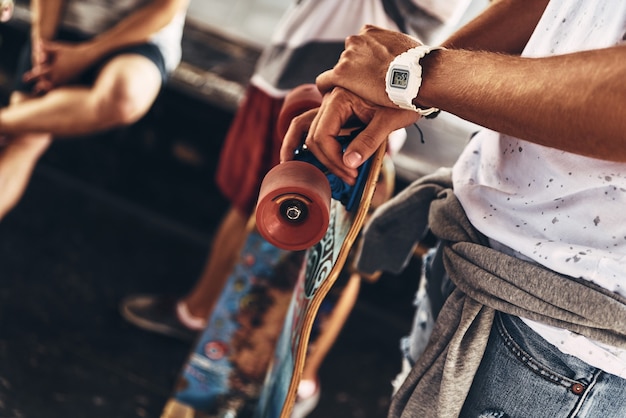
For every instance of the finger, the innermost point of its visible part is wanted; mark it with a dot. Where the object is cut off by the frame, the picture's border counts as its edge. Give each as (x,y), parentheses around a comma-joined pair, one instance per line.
(43,86)
(28,76)
(329,79)
(37,72)
(296,134)
(33,74)
(322,141)
(376,133)
(325,82)
(361,148)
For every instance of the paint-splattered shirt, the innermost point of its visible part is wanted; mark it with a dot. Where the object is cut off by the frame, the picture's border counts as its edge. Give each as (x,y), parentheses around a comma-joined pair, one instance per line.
(564,211)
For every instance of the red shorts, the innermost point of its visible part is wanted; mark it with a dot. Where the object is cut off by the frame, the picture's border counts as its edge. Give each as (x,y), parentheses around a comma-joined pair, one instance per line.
(250,150)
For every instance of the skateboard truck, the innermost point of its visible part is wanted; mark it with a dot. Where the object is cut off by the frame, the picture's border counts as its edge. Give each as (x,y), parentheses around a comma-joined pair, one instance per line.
(293,209)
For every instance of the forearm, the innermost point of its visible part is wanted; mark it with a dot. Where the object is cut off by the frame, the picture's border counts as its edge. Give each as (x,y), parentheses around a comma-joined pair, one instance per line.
(582,113)
(138,27)
(505,26)
(45,18)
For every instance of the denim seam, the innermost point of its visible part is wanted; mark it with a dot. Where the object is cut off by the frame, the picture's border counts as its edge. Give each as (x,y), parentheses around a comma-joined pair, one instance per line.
(528,360)
(585,394)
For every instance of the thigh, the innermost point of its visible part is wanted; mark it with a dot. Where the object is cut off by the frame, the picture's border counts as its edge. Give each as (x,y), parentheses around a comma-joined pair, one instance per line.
(522,375)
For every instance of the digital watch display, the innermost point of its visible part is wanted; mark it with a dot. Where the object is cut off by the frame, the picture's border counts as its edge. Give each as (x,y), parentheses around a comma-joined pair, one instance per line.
(399,78)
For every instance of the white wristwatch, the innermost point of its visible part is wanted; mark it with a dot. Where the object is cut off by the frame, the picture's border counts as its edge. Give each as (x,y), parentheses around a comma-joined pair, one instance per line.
(404,78)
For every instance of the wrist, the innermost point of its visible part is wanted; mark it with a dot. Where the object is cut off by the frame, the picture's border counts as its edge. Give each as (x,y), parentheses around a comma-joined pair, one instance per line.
(404,79)
(92,50)
(431,73)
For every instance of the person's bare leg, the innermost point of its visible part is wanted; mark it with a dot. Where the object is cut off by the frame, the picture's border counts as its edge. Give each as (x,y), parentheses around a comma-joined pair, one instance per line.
(331,328)
(18,156)
(17,161)
(227,243)
(123,92)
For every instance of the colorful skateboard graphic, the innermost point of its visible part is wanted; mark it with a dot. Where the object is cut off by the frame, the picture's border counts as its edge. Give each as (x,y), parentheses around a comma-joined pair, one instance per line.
(225,371)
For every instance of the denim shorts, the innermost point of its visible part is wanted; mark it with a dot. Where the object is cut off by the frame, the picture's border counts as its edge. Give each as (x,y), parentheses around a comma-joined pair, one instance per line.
(522,375)
(147,50)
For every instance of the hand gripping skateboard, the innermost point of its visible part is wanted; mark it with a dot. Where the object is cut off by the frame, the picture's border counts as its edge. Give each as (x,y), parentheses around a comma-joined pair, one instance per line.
(302,206)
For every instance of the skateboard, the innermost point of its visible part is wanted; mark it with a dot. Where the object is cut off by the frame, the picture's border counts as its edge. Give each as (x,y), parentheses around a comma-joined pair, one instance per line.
(301,206)
(6,10)
(227,367)
(224,373)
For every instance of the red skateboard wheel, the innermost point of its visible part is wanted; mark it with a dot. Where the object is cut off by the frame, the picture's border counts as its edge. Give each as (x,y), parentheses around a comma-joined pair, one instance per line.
(293,209)
(299,100)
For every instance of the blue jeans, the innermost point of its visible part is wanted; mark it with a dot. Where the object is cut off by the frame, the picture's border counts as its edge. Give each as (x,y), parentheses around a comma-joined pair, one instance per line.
(522,375)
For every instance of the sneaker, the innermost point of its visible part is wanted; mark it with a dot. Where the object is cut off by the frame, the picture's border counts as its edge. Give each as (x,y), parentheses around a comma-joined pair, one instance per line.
(307,399)
(156,314)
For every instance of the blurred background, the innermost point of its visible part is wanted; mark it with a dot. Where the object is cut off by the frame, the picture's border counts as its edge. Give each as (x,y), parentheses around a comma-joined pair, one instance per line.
(133,211)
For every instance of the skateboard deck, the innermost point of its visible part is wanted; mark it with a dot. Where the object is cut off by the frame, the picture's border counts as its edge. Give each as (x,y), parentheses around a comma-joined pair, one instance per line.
(323,264)
(272,289)
(226,368)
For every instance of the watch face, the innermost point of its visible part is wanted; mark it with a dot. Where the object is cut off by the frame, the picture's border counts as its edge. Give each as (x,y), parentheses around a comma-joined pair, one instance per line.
(399,78)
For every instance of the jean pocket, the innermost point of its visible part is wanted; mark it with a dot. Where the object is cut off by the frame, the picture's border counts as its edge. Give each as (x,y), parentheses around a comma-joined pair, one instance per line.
(538,355)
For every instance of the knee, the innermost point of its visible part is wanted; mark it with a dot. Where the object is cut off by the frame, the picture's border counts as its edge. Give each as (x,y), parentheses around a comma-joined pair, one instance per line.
(120,107)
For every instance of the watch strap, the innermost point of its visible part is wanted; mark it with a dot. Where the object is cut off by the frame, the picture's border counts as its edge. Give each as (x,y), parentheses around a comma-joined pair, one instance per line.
(400,98)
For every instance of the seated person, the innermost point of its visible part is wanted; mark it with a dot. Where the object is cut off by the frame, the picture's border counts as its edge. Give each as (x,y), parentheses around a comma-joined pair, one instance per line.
(89,66)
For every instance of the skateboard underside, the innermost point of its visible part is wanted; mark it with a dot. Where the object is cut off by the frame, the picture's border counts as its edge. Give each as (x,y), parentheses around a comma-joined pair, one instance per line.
(226,368)
(323,264)
(274,295)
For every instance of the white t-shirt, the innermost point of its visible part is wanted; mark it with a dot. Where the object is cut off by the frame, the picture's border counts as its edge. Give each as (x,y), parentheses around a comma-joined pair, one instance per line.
(311,35)
(92,17)
(309,39)
(563,211)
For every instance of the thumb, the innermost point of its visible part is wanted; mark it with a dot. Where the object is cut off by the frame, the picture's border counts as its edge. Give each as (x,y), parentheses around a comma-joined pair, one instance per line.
(363,146)
(376,133)
(324,81)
